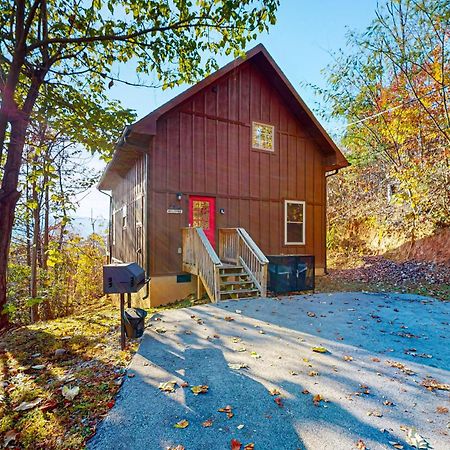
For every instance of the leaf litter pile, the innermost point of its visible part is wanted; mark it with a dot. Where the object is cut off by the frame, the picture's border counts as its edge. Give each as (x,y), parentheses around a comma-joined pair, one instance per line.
(58,379)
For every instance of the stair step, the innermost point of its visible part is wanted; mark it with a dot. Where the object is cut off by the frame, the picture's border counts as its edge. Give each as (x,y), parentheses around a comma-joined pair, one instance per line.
(226,283)
(234,274)
(225,269)
(239,291)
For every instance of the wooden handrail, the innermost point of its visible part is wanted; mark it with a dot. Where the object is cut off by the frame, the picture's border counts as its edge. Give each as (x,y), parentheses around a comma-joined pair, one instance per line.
(200,259)
(237,247)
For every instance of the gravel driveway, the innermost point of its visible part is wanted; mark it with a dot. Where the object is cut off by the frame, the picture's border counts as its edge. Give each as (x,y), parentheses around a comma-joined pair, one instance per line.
(380,348)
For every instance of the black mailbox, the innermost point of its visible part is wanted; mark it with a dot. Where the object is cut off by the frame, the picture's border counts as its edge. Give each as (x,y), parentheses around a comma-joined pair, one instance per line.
(123,278)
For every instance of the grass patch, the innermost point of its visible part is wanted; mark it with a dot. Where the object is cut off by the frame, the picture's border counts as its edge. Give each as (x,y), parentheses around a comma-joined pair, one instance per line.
(87,355)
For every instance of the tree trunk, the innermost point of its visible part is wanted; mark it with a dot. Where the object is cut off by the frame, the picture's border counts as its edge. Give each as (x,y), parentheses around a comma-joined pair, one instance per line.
(9,195)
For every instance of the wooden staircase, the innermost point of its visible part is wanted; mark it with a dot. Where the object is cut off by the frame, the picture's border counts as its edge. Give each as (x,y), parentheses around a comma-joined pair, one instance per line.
(238,271)
(235,283)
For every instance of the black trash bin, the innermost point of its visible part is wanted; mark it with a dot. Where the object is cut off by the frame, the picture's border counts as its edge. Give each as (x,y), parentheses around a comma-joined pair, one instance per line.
(134,320)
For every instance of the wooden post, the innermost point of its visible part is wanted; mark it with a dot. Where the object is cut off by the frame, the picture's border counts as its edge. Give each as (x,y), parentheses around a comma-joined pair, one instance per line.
(129,300)
(122,324)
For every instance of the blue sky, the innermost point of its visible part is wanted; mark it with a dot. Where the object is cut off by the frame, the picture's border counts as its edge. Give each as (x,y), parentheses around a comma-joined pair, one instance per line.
(306,34)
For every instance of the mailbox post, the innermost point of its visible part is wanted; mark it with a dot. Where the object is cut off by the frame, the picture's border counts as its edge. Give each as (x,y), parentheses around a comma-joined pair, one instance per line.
(123,278)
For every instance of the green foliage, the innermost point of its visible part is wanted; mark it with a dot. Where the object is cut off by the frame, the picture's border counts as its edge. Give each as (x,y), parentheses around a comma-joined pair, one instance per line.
(73,279)
(392,93)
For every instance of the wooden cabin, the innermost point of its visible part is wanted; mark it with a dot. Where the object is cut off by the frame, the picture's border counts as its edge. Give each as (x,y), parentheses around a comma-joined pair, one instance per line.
(207,185)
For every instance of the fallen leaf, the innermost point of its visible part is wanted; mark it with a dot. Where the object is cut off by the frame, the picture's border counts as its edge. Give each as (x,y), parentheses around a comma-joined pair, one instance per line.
(70,393)
(250,446)
(201,389)
(255,355)
(360,445)
(442,410)
(401,366)
(274,391)
(10,436)
(168,386)
(131,375)
(184,384)
(375,413)
(228,410)
(181,424)
(48,405)
(317,399)
(313,373)
(207,423)
(278,401)
(388,403)
(110,404)
(235,444)
(239,427)
(160,330)
(396,445)
(38,367)
(416,440)
(293,372)
(311,314)
(432,384)
(348,358)
(178,447)
(237,366)
(319,350)
(229,319)
(25,406)
(305,391)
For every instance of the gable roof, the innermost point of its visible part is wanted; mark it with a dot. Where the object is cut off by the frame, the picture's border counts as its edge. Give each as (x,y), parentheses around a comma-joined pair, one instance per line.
(136,138)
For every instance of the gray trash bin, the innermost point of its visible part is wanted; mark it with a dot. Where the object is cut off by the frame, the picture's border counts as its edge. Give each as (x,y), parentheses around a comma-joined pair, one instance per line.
(134,320)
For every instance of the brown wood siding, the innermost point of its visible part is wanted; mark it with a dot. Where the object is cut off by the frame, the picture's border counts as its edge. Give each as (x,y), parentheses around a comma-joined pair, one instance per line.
(128,243)
(204,147)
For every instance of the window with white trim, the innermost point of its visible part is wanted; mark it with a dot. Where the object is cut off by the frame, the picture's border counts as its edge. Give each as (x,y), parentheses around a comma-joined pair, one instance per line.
(294,222)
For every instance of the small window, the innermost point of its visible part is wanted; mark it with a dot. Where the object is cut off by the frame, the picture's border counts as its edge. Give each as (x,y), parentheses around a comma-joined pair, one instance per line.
(124,216)
(263,136)
(294,227)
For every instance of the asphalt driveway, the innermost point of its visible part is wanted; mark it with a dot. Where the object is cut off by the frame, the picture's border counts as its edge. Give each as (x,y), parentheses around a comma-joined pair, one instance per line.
(381,349)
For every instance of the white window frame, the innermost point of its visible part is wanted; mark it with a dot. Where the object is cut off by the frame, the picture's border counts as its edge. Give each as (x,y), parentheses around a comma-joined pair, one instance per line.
(297,202)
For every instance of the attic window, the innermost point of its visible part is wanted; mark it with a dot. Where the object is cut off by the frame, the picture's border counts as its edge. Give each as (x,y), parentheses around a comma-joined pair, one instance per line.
(263,136)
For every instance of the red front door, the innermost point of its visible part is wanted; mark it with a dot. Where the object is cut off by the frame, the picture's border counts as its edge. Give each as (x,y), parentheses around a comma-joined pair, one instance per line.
(202,214)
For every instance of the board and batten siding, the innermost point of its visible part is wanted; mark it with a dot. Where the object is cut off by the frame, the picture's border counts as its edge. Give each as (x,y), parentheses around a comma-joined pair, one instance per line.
(128,243)
(203,147)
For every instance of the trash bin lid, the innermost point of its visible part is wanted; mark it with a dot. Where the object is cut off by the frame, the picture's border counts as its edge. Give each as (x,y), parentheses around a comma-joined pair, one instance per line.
(135,313)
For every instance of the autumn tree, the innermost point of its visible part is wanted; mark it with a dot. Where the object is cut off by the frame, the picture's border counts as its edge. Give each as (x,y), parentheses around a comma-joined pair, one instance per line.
(393,94)
(79,45)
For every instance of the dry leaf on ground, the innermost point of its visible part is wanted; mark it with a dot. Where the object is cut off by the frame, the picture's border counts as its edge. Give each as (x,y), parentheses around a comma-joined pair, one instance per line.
(181,424)
(168,386)
(237,366)
(319,350)
(25,406)
(228,410)
(360,445)
(278,401)
(70,393)
(200,389)
(432,384)
(275,391)
(235,444)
